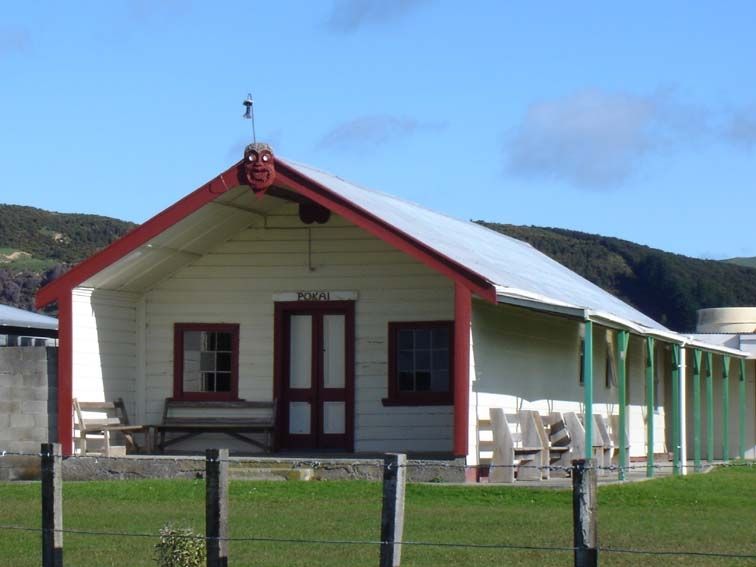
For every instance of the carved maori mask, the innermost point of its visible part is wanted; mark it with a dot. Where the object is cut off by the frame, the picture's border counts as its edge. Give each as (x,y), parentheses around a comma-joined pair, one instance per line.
(259,167)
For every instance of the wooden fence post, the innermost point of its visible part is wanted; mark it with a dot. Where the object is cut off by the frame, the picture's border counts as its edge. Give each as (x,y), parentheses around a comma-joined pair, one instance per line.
(52,506)
(392,517)
(584,508)
(216,507)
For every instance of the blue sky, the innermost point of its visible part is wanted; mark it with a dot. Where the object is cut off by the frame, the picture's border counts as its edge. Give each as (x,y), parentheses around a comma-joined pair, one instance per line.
(636,121)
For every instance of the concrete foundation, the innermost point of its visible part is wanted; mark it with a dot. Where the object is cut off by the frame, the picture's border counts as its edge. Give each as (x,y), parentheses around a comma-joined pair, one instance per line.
(247,468)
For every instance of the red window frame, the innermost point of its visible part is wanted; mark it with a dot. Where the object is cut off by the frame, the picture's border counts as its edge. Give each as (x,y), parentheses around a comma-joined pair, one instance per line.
(178,361)
(397,397)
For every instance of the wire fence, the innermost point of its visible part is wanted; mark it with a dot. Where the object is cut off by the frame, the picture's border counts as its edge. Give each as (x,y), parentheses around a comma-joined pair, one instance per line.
(393,469)
(300,463)
(376,543)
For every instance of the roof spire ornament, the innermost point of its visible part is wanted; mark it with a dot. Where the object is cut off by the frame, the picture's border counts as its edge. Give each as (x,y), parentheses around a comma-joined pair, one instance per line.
(249,114)
(259,164)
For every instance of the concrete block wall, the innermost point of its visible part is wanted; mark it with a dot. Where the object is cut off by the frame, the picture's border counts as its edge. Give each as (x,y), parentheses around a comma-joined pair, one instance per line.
(28,416)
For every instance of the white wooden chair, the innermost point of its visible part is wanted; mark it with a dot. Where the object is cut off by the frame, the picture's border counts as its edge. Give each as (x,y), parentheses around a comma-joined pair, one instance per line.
(557,439)
(517,447)
(98,420)
(602,445)
(577,434)
(606,452)
(531,416)
(614,422)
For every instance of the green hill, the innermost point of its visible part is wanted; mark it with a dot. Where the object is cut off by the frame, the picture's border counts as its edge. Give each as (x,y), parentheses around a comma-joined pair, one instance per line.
(667,287)
(749,262)
(36,246)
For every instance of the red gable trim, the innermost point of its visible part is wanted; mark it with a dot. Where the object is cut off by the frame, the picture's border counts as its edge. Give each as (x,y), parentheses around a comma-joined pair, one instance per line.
(289,178)
(140,235)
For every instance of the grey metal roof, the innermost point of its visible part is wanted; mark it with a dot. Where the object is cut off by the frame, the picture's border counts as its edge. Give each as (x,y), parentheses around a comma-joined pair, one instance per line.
(745,342)
(730,340)
(506,262)
(14,317)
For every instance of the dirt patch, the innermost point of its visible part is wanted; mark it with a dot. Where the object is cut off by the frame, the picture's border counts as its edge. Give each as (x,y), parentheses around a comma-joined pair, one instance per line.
(13,256)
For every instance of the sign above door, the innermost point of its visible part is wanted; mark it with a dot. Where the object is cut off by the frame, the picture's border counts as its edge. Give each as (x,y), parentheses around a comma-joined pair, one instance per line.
(315,295)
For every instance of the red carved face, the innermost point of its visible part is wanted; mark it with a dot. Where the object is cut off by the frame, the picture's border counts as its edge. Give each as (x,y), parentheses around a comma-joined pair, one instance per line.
(259,166)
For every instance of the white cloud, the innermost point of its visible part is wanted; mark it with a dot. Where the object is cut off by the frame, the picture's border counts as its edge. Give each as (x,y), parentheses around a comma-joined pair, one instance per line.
(349,15)
(368,132)
(597,139)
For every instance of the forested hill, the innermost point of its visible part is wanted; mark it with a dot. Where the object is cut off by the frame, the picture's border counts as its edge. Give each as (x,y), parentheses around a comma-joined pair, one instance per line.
(36,246)
(667,287)
(750,262)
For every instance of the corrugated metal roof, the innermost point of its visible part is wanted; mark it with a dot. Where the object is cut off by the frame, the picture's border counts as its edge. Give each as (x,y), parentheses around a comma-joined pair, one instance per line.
(14,317)
(729,340)
(515,267)
(745,342)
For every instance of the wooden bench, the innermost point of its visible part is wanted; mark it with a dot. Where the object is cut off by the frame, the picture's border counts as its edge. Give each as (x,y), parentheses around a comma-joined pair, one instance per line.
(606,454)
(602,445)
(555,437)
(98,420)
(518,451)
(560,441)
(237,419)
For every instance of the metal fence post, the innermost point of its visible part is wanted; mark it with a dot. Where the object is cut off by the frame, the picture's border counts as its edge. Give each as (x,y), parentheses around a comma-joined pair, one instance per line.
(584,507)
(392,516)
(216,507)
(52,505)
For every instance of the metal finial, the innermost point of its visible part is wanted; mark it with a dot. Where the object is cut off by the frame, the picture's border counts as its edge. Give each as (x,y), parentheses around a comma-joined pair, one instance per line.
(249,114)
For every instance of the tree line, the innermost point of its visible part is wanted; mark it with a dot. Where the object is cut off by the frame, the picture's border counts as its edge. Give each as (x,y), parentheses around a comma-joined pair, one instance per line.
(667,287)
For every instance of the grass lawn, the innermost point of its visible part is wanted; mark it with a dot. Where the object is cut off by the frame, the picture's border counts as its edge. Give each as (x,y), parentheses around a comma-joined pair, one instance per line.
(713,512)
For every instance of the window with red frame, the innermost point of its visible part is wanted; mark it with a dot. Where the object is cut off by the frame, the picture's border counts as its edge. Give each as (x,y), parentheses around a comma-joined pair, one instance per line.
(206,361)
(421,363)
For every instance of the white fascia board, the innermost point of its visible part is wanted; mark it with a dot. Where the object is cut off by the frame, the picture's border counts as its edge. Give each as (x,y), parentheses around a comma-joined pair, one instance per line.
(696,343)
(667,336)
(521,298)
(612,321)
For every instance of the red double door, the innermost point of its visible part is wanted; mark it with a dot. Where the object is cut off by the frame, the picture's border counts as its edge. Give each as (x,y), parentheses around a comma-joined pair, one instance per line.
(315,375)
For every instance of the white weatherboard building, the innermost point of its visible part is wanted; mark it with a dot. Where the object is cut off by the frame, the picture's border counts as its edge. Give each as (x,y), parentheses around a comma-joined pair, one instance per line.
(374,324)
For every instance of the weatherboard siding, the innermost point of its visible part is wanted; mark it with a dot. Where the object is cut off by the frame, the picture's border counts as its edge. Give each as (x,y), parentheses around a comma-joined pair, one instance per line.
(104,345)
(236,281)
(528,360)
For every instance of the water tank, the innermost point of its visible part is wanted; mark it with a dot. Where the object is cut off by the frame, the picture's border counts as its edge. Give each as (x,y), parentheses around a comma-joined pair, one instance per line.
(727,320)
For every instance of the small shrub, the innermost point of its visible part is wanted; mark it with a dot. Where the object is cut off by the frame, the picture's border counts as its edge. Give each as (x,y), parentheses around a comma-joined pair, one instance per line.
(179,547)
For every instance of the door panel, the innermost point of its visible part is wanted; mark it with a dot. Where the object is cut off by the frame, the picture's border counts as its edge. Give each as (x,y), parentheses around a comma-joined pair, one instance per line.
(299,418)
(333,351)
(315,369)
(300,351)
(334,418)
